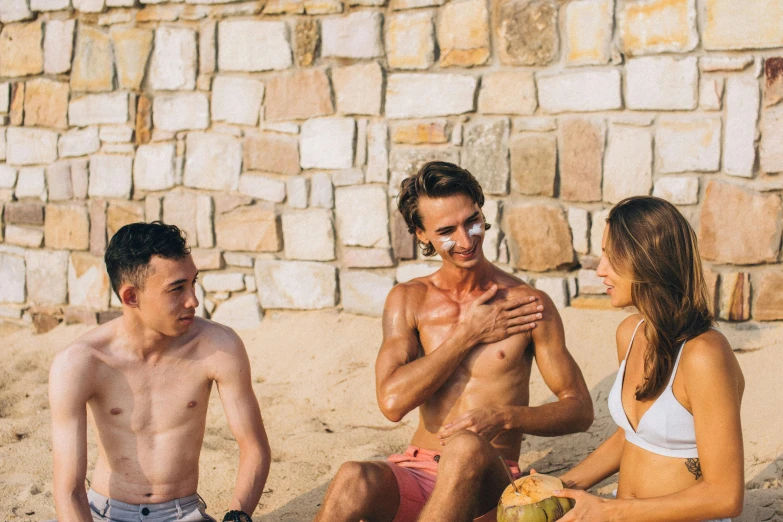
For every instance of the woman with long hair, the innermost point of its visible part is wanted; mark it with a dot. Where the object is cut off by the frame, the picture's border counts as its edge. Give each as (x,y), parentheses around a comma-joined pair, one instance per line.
(676,398)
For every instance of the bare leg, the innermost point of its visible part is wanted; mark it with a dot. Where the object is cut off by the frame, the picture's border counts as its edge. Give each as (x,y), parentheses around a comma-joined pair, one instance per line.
(361,491)
(470,481)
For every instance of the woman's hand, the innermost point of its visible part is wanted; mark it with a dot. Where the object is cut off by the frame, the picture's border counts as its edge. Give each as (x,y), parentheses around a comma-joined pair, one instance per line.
(588,508)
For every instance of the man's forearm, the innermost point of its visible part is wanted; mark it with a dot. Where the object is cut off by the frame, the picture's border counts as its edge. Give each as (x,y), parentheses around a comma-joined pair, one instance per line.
(567,415)
(72,505)
(412,384)
(251,478)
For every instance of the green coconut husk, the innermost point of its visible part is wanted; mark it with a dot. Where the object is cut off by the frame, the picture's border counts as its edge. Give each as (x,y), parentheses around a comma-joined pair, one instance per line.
(532,500)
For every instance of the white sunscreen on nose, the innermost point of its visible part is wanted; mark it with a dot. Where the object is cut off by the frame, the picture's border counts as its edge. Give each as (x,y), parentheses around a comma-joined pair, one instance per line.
(476,230)
(448,244)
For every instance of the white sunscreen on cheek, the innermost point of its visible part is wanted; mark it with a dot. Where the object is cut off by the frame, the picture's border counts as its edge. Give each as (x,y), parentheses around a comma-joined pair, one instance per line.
(448,244)
(476,230)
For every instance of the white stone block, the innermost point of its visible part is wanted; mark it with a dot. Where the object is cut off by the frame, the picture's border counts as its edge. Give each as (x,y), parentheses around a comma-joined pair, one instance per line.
(240,313)
(173,63)
(49,5)
(771,148)
(223,282)
(47,279)
(556,288)
(627,163)
(264,187)
(96,109)
(237,259)
(410,271)
(679,190)
(369,202)
(661,83)
(363,292)
(213,161)
(116,133)
(110,176)
(684,145)
(321,190)
(742,114)
(309,235)
(724,63)
(327,143)
(377,153)
(253,45)
(358,88)
(59,181)
(344,178)
(181,111)
(89,6)
(424,95)
(206,47)
(58,46)
(580,91)
(153,168)
(31,183)
(14,11)
(711,94)
(298,190)
(12,274)
(236,100)
(7,176)
(5,97)
(588,29)
(79,142)
(30,146)
(579,221)
(590,283)
(303,285)
(26,237)
(357,35)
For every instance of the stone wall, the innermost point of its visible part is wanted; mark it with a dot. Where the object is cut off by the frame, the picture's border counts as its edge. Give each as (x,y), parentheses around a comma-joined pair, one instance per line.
(277,132)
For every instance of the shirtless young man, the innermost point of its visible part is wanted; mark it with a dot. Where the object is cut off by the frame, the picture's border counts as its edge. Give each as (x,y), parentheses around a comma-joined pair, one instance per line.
(146,377)
(459,345)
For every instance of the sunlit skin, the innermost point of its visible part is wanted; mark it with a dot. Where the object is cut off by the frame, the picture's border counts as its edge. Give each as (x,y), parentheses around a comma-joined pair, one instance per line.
(652,487)
(146,378)
(459,346)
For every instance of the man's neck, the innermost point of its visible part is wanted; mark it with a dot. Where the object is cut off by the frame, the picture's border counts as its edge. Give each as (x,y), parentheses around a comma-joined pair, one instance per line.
(141,341)
(463,281)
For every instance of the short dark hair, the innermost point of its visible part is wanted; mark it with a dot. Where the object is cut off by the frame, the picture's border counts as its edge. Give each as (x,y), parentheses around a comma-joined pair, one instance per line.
(435,179)
(131,248)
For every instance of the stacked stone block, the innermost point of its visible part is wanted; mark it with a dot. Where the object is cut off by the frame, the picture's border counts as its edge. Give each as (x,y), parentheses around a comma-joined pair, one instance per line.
(276,134)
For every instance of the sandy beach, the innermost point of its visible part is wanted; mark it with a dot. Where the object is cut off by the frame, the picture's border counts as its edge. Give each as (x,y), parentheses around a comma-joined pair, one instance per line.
(313,376)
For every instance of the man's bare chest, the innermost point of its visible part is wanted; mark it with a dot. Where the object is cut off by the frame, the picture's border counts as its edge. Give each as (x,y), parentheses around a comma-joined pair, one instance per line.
(493,360)
(150,398)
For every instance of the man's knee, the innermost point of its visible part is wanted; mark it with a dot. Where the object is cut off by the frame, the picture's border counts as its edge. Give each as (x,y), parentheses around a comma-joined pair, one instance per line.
(357,479)
(469,450)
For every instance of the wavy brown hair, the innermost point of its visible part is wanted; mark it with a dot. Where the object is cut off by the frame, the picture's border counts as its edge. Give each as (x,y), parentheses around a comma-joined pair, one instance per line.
(653,245)
(435,179)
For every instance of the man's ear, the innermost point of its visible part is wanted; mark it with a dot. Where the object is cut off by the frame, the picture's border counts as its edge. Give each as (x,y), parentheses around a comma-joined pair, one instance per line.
(421,237)
(129,295)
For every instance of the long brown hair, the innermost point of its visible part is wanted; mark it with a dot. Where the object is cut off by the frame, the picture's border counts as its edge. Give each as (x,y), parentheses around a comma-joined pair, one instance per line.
(654,246)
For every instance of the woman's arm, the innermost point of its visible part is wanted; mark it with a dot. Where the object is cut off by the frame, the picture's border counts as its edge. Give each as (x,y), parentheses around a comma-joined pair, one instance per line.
(600,464)
(714,386)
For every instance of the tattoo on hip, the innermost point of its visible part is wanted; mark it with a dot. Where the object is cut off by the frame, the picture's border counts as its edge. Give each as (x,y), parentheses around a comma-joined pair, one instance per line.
(694,467)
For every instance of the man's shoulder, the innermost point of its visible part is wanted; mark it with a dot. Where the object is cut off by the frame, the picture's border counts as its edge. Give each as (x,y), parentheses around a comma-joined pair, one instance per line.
(83,353)
(215,336)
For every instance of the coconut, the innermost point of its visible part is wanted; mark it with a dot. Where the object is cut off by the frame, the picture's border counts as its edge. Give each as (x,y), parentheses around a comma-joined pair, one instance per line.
(532,500)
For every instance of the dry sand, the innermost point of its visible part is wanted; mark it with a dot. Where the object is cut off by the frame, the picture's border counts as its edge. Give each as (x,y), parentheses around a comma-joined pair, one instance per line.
(314,381)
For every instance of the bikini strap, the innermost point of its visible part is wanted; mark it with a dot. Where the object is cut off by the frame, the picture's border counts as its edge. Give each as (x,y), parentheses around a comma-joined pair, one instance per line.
(632,338)
(676,364)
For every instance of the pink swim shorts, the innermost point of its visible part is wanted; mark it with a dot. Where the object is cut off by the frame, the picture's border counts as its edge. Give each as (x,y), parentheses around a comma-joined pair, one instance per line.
(416,471)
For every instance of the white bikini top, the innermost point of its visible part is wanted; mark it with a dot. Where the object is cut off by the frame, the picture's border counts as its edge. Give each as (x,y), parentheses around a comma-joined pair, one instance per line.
(666,428)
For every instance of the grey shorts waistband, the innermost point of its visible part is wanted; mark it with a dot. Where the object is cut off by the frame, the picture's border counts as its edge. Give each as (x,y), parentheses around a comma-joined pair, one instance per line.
(99,501)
